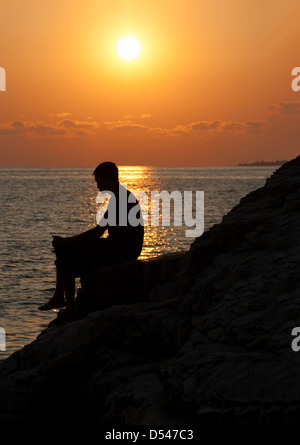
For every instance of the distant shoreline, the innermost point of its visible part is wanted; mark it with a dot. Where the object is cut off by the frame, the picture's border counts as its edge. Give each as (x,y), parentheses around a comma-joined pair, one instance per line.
(263,163)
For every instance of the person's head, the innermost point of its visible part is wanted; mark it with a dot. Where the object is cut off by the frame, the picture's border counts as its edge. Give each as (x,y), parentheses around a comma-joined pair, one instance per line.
(106,176)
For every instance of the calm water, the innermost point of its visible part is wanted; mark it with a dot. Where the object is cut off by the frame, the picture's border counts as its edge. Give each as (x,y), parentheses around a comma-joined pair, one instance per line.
(39,202)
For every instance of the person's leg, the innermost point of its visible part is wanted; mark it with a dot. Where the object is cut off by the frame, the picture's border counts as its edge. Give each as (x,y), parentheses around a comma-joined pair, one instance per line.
(57,301)
(65,284)
(68,279)
(73,262)
(59,288)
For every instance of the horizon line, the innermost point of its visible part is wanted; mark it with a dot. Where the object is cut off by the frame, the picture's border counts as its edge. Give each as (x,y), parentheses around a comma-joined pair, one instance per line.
(141,165)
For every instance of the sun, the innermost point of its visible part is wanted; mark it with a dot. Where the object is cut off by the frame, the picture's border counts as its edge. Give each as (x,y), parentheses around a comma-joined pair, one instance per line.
(129,48)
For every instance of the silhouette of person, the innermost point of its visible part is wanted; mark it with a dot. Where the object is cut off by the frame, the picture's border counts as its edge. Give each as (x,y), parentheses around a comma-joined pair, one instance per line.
(77,255)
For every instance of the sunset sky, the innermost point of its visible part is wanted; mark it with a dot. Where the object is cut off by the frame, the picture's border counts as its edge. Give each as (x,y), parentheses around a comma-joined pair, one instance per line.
(211,86)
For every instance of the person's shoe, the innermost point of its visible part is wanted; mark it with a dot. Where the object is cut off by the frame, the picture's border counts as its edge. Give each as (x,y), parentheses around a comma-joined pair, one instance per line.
(53,303)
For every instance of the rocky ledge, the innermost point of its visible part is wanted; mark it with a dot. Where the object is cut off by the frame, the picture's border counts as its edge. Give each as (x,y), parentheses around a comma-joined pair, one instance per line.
(192,338)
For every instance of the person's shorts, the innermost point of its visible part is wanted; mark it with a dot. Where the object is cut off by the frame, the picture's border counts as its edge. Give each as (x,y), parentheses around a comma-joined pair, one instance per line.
(83,256)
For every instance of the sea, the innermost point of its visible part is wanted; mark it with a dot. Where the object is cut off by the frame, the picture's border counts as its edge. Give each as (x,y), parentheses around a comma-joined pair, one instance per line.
(39,202)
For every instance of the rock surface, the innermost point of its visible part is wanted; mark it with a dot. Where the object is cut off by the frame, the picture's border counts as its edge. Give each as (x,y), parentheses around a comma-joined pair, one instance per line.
(206,338)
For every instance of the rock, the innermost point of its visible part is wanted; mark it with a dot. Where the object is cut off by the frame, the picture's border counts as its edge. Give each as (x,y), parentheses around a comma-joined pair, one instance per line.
(205,338)
(127,283)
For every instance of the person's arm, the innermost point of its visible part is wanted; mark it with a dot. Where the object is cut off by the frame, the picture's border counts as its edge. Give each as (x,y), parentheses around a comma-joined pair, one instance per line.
(88,235)
(94,233)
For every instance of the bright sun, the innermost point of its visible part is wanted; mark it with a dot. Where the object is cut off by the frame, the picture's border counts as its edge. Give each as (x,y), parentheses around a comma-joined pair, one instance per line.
(128,48)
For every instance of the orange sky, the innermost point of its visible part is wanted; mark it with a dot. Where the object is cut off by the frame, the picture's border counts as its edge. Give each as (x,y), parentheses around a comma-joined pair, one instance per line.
(212,85)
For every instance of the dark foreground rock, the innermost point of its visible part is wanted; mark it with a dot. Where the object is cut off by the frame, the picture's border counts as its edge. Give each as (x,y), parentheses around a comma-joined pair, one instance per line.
(207,339)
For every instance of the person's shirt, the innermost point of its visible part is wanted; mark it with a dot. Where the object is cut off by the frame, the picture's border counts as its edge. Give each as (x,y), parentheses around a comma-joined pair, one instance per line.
(125,222)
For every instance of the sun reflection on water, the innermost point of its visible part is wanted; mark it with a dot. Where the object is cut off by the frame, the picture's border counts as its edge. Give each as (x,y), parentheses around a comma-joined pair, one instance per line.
(145,179)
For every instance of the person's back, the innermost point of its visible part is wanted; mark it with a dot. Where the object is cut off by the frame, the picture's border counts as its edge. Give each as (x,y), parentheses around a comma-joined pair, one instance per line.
(125,224)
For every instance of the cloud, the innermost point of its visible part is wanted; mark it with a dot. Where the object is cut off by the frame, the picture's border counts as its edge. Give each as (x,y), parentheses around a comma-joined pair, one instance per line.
(42,129)
(249,126)
(129,117)
(65,128)
(254,126)
(125,125)
(14,128)
(205,125)
(181,129)
(285,108)
(228,126)
(83,125)
(129,127)
(65,114)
